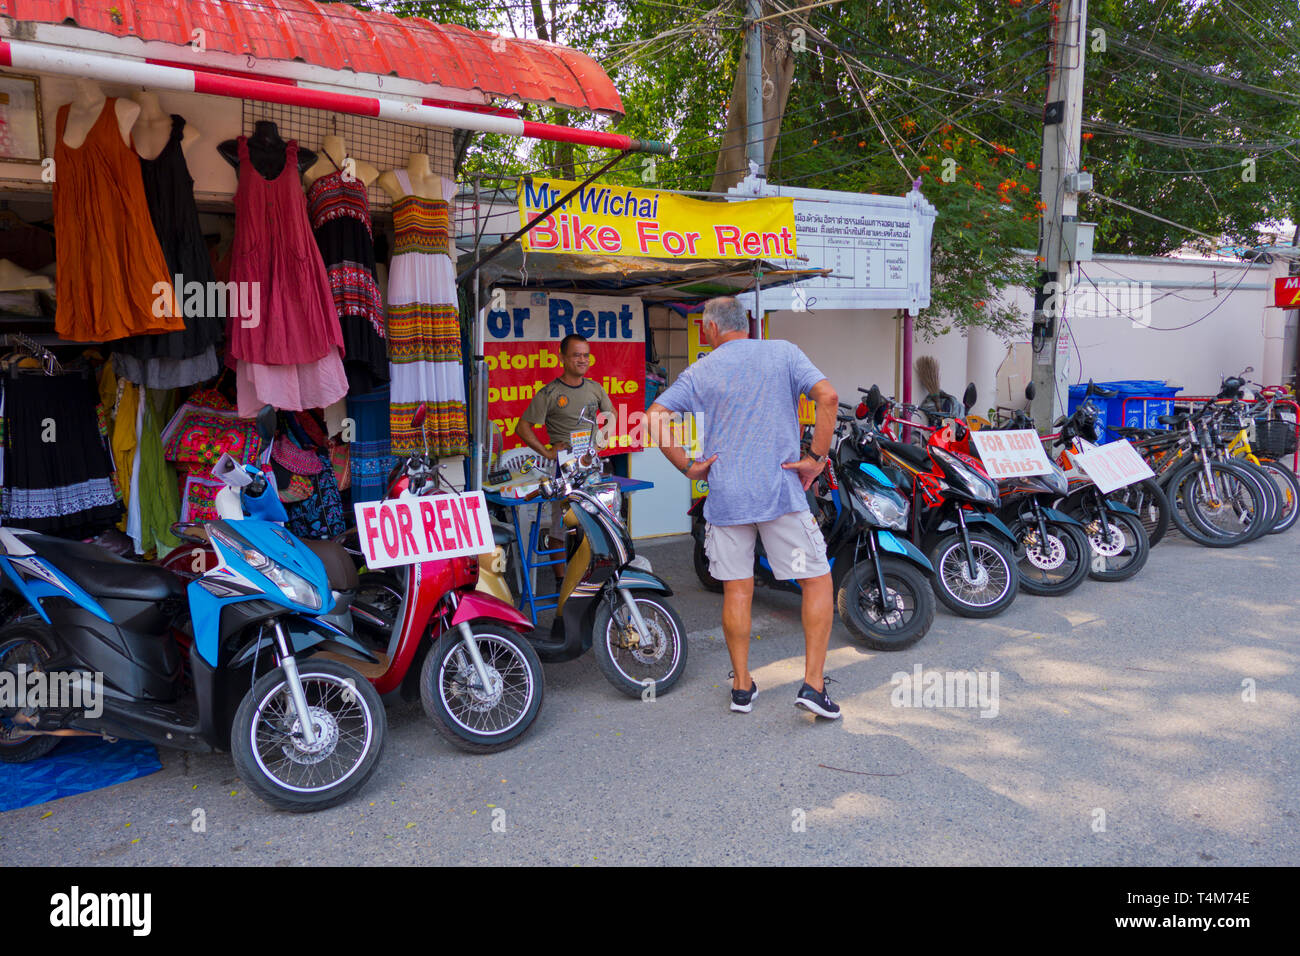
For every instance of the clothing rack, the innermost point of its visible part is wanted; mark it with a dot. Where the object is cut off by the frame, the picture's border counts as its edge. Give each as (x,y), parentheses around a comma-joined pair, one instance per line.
(33,348)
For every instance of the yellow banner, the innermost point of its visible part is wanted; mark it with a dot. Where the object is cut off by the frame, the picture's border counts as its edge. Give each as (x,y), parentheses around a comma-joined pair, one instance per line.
(620,221)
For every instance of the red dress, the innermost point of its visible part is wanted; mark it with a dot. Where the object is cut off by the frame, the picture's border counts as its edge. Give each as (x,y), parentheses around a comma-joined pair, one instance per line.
(288,352)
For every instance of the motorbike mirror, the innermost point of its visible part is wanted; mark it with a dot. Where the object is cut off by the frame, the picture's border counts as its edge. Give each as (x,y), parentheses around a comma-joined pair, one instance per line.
(968,396)
(266,423)
(1030,391)
(874,398)
(422,412)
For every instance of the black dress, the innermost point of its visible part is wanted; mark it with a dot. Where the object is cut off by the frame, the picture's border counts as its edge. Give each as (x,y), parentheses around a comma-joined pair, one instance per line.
(176,359)
(340,218)
(57,466)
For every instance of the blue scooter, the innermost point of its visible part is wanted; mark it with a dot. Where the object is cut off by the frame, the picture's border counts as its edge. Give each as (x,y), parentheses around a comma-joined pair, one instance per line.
(102,640)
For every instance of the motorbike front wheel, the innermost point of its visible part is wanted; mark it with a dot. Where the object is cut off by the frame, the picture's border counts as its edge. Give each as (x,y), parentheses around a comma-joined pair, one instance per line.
(477,719)
(707,580)
(1056,566)
(994,584)
(279,766)
(1121,551)
(25,649)
(625,664)
(898,621)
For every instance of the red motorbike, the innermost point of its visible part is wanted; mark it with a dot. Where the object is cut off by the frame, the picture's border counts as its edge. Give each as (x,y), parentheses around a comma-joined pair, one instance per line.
(433,636)
(954,504)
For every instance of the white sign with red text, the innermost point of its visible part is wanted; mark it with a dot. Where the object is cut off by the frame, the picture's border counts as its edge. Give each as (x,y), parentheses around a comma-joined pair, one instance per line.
(1011,454)
(1113,466)
(413,529)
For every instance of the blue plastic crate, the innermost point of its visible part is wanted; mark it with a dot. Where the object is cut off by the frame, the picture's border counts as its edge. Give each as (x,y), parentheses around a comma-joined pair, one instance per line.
(1138,414)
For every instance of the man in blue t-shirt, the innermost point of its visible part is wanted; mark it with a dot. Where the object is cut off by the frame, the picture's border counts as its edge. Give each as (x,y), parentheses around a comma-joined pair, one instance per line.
(747,394)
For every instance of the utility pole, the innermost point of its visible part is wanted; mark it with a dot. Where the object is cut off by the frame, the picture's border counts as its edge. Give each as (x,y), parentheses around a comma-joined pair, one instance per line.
(1062,119)
(754,145)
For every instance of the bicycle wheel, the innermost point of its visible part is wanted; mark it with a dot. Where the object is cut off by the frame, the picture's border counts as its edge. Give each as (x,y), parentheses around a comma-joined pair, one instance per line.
(1288,493)
(1217,513)
(1272,502)
(1151,503)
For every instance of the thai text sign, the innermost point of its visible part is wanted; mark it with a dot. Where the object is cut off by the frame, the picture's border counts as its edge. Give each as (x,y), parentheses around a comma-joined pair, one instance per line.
(620,221)
(413,529)
(521,346)
(1011,454)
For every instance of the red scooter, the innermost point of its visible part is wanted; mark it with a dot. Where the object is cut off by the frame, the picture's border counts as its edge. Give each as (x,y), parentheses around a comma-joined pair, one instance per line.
(432,634)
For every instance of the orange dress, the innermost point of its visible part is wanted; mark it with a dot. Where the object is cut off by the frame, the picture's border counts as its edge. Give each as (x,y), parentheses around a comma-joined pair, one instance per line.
(109,259)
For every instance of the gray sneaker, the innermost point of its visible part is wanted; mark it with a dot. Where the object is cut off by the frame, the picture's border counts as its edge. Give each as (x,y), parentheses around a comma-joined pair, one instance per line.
(817,701)
(742,701)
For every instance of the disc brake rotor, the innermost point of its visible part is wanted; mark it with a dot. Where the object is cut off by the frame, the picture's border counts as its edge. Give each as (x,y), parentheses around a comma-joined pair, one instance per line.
(1107,545)
(1046,555)
(466,684)
(981,579)
(327,738)
(890,611)
(628,639)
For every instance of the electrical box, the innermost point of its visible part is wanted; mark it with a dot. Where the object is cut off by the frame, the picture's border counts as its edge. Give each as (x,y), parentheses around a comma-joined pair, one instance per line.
(1076,240)
(1078,182)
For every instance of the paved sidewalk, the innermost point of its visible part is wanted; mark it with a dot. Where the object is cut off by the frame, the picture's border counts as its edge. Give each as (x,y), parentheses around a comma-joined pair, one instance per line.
(1121,737)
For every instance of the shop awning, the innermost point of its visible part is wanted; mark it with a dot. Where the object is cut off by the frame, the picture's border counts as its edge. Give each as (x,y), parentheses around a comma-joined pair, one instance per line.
(657,280)
(333,36)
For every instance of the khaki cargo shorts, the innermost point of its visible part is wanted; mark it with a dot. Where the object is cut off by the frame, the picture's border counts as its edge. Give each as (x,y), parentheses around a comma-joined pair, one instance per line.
(793,542)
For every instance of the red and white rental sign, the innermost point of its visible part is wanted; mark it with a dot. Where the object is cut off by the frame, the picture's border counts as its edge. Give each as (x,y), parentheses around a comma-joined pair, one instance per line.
(411,529)
(1113,466)
(1011,454)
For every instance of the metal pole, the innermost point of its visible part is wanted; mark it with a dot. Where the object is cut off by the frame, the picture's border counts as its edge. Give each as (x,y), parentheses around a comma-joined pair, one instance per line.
(754,146)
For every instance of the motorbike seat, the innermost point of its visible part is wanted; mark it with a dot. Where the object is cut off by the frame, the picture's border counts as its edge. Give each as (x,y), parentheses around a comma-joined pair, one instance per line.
(911,453)
(339,567)
(103,574)
(1174,420)
(1135,432)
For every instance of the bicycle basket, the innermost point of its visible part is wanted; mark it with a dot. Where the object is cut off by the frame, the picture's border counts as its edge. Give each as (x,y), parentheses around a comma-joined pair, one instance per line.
(1274,438)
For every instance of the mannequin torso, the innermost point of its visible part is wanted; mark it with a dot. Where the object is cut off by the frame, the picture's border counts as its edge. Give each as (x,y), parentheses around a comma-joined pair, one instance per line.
(266,149)
(85,109)
(425,183)
(333,157)
(153,128)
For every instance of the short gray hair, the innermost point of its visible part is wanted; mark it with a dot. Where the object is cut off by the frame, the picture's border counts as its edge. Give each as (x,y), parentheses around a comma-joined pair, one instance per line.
(727,314)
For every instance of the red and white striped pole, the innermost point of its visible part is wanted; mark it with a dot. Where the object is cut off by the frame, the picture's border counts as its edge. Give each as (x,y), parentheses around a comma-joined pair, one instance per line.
(44,59)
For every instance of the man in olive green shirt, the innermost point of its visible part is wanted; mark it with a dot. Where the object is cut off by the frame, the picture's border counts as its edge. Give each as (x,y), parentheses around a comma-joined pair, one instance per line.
(558,405)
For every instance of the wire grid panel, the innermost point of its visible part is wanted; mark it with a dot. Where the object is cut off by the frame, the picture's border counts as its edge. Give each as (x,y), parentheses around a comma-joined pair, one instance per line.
(386,144)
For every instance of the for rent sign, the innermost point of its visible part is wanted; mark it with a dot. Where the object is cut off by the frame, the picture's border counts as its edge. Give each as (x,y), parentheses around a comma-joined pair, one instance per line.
(1011,454)
(411,530)
(620,221)
(1113,466)
(522,351)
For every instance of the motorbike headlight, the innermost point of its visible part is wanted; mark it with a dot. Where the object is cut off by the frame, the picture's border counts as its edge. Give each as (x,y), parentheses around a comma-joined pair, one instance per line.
(890,511)
(609,495)
(981,487)
(294,586)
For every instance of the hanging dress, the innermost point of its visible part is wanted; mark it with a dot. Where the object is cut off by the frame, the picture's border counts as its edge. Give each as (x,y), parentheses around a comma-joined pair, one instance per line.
(424,329)
(177,359)
(58,466)
(288,353)
(340,218)
(109,260)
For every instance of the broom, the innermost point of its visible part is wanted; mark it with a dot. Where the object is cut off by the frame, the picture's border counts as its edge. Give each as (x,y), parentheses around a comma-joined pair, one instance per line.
(927,370)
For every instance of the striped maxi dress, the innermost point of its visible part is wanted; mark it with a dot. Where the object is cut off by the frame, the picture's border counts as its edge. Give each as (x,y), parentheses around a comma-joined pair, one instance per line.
(424,329)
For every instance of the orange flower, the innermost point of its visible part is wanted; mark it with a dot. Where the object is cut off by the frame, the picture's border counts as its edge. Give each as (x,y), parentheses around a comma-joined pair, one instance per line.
(1004,199)
(1040,205)
(924,169)
(1086,136)
(861,143)
(1031,164)
(1024,189)
(947,144)
(1038,258)
(947,128)
(979,304)
(967,226)
(979,185)
(993,161)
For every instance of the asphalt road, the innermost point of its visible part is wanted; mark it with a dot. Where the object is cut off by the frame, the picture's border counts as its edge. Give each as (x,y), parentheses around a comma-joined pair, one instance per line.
(1121,737)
